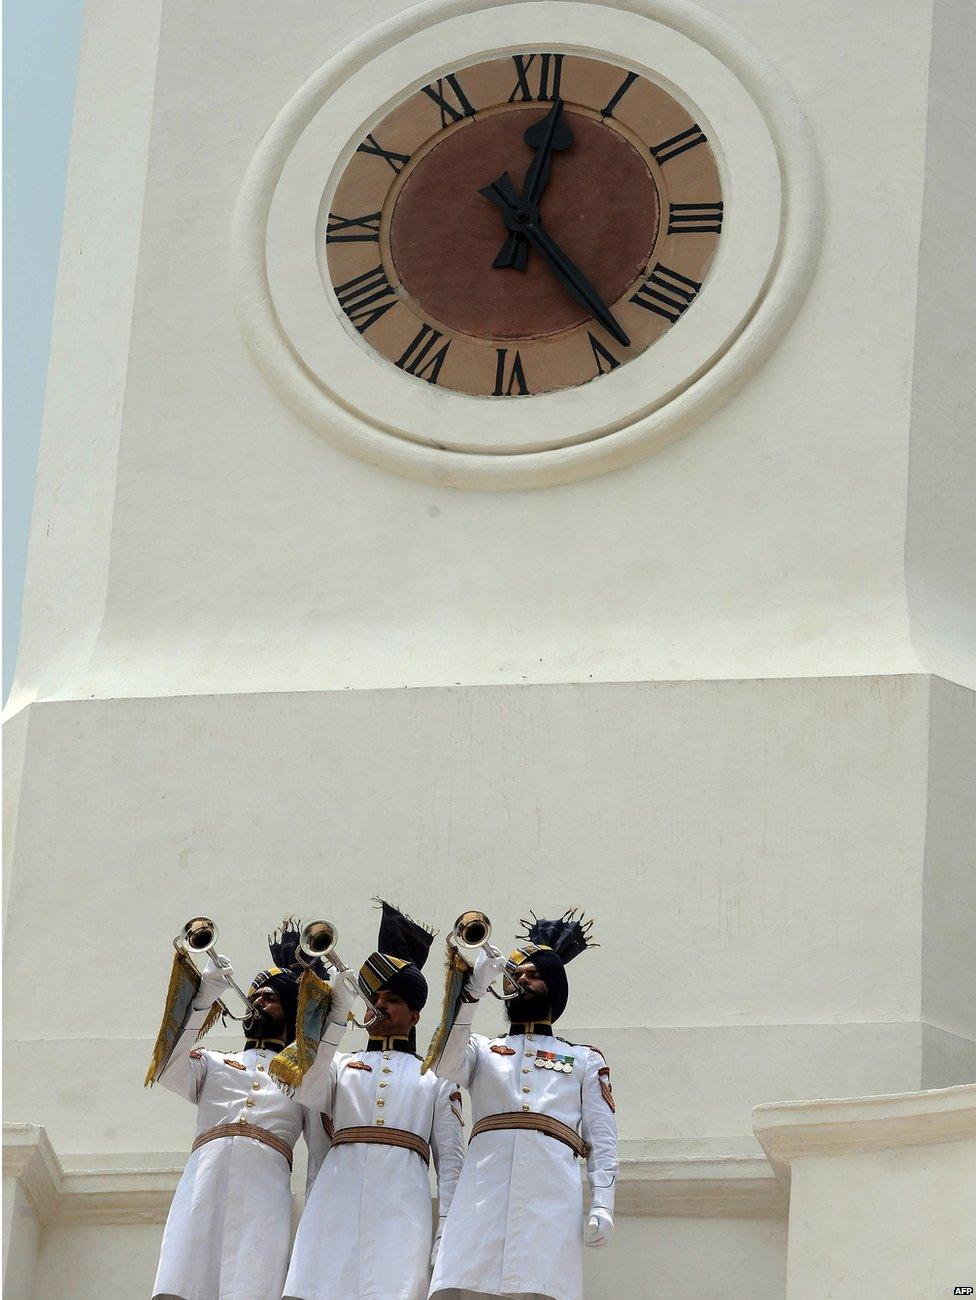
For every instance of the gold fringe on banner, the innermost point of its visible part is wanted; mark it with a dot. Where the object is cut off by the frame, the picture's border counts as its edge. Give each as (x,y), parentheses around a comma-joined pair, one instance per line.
(291,1065)
(456,972)
(184,981)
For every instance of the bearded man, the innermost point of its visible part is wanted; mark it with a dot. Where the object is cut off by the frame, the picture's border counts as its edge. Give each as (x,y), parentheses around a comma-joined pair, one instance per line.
(229,1226)
(516,1226)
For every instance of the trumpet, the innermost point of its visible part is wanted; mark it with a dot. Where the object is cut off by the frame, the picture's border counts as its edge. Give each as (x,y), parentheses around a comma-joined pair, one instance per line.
(473,930)
(319,939)
(200,935)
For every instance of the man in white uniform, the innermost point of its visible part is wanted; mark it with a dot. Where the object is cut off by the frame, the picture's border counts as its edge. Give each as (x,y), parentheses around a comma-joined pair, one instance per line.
(229,1226)
(366,1230)
(516,1226)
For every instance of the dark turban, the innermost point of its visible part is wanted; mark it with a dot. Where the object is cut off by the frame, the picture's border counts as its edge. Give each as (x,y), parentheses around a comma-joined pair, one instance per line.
(551,945)
(402,949)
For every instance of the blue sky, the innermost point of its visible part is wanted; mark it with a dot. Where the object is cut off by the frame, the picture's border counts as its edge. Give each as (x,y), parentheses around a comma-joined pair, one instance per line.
(40,57)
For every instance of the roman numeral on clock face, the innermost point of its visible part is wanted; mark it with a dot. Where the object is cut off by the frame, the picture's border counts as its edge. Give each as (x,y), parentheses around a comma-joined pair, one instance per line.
(353,230)
(422,357)
(669,149)
(605,361)
(695,218)
(666,292)
(366,298)
(515,375)
(538,75)
(396,160)
(450,99)
(625,85)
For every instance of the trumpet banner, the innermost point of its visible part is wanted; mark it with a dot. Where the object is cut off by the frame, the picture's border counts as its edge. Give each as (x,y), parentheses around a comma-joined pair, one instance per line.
(184,981)
(456,972)
(291,1065)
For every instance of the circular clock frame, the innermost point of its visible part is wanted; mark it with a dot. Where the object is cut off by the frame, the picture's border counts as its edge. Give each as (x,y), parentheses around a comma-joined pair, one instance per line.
(295,327)
(416,273)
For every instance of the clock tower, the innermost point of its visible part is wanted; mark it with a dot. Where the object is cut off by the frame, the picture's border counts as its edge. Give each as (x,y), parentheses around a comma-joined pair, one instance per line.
(504,456)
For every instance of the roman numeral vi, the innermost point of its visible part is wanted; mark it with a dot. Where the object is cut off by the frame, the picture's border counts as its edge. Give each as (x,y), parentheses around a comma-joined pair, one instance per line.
(516,375)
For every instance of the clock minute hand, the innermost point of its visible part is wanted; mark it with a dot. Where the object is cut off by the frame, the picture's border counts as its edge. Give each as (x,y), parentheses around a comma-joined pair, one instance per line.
(575,282)
(548,134)
(523,217)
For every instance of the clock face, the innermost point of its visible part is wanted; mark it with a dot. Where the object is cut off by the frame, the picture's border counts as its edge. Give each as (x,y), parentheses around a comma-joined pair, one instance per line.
(524,224)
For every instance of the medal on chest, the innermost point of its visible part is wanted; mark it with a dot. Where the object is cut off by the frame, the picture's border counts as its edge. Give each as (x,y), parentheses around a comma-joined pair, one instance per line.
(553,1061)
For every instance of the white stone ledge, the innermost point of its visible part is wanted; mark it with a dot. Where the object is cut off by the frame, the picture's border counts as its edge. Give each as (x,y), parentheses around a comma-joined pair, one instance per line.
(791,1129)
(716,1177)
(29,1158)
(134,1189)
(711,1177)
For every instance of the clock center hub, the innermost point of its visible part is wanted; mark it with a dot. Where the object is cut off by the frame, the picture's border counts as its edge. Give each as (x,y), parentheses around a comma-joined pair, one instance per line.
(600,204)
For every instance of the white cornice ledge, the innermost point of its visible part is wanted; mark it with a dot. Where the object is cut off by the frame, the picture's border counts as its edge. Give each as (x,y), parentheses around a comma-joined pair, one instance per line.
(715,1177)
(790,1129)
(712,1177)
(126,1194)
(29,1157)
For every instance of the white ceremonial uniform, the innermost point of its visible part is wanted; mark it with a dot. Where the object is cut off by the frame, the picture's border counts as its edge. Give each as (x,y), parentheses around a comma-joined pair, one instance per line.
(229,1226)
(516,1221)
(366,1230)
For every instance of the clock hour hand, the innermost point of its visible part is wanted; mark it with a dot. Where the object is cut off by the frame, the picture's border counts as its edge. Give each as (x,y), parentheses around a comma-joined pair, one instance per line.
(523,218)
(549,133)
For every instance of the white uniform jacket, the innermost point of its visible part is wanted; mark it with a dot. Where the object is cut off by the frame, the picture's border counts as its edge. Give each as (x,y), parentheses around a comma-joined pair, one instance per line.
(366,1230)
(516,1221)
(229,1226)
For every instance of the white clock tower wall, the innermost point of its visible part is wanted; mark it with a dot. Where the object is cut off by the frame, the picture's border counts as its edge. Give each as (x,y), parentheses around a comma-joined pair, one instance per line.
(245,555)
(939,557)
(694,695)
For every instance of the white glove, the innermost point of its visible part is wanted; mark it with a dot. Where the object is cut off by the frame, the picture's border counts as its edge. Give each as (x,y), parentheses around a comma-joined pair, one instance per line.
(213,983)
(486,971)
(437,1240)
(342,1001)
(599,1229)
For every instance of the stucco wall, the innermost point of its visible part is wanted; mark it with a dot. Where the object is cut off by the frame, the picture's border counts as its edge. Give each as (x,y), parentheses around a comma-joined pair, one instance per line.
(948,954)
(753,853)
(683,695)
(940,551)
(246,554)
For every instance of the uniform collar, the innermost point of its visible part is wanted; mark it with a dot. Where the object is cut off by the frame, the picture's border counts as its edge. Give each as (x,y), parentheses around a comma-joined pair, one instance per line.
(263,1045)
(408,1044)
(541,1027)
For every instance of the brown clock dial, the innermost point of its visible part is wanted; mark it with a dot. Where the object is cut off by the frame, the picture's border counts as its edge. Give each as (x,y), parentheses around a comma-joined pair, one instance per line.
(523,225)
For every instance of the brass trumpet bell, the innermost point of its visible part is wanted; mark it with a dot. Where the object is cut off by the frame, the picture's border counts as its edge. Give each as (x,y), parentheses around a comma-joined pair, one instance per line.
(199,934)
(318,938)
(471,930)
